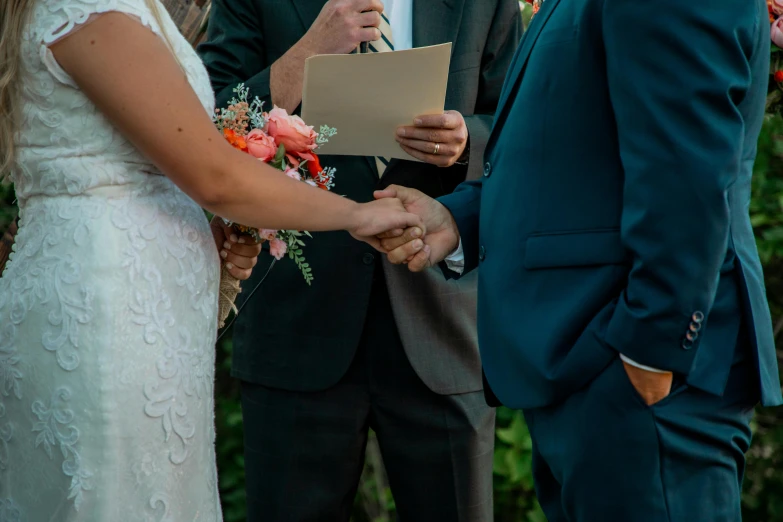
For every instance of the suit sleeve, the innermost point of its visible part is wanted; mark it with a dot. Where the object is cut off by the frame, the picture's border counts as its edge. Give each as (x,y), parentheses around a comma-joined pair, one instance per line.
(502,41)
(677,72)
(465,202)
(234,51)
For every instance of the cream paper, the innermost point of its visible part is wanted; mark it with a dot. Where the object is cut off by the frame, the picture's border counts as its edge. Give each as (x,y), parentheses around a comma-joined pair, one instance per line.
(367,96)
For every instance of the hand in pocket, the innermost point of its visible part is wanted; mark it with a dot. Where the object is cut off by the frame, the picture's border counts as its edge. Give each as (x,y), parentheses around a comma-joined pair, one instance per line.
(651,386)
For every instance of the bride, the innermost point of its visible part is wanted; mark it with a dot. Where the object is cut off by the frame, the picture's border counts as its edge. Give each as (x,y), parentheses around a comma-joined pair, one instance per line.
(108,307)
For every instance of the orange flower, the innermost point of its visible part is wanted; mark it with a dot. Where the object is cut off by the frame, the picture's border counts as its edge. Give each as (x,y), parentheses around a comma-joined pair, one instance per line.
(236,141)
(314,166)
(779,77)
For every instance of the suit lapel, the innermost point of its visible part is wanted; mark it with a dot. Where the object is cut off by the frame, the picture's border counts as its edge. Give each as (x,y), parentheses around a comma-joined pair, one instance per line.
(523,53)
(308,11)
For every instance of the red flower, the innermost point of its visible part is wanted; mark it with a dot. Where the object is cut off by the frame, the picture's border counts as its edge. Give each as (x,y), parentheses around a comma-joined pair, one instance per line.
(779,77)
(315,169)
(314,166)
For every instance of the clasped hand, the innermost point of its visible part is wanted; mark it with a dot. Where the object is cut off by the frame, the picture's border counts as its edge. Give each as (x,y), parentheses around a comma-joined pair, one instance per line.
(412,246)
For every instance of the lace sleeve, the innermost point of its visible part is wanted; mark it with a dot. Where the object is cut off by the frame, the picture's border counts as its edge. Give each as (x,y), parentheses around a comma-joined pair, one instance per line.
(56,19)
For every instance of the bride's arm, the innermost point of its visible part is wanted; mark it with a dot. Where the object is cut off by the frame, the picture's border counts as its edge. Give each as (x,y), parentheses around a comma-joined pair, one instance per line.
(131,76)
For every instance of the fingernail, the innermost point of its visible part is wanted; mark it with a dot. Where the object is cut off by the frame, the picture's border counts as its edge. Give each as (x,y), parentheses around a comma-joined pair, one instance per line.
(416,232)
(229,266)
(417,244)
(401,131)
(427,249)
(233,238)
(227,245)
(417,121)
(223,254)
(241,241)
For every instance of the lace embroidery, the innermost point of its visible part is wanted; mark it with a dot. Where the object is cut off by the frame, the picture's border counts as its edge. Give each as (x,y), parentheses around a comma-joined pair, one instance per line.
(9,511)
(10,374)
(88,204)
(55,429)
(6,434)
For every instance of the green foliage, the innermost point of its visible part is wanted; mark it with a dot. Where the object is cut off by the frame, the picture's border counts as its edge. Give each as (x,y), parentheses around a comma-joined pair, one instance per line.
(7,207)
(762,501)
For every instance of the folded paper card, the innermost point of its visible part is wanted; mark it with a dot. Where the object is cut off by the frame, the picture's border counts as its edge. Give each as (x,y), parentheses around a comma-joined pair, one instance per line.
(367,96)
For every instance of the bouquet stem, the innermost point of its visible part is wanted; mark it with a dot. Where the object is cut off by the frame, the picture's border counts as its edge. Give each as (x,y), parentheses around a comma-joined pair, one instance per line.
(229,290)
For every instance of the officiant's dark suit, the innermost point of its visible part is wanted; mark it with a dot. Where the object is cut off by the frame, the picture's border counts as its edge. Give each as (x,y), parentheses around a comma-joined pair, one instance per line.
(369,344)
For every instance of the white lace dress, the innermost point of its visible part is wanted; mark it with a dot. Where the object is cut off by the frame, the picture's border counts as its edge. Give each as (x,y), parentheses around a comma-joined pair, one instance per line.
(107,310)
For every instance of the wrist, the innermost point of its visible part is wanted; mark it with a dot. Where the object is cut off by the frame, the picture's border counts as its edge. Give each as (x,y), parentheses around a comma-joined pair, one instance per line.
(353,215)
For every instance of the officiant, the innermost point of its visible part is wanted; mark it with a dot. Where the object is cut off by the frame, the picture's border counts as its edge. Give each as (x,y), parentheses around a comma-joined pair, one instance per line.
(384,349)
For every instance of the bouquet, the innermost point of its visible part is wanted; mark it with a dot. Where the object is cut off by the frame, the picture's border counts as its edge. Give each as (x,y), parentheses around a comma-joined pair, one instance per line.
(285,142)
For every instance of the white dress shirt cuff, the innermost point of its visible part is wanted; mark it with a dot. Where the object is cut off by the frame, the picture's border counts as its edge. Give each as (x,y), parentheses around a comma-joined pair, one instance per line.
(456,260)
(641,366)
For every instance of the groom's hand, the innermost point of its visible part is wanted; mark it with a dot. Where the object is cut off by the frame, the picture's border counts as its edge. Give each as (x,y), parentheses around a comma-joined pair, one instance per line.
(441,237)
(652,386)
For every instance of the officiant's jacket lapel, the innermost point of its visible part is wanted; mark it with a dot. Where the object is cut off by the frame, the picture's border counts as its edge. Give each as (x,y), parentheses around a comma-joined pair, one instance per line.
(436,319)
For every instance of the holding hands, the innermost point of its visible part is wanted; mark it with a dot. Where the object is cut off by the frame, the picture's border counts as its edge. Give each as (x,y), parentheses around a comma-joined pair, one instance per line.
(419,247)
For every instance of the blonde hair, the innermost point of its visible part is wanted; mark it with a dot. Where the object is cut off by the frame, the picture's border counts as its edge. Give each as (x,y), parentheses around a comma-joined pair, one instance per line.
(13,20)
(14,15)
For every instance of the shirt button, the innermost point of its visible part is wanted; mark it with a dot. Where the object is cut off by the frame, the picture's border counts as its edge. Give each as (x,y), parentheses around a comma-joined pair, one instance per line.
(482,253)
(368,259)
(487,169)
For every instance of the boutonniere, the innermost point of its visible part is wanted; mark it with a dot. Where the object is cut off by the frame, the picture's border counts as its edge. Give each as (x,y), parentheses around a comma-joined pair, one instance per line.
(536,4)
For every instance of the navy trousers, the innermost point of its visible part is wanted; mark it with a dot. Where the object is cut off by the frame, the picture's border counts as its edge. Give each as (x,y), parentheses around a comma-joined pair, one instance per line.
(603,455)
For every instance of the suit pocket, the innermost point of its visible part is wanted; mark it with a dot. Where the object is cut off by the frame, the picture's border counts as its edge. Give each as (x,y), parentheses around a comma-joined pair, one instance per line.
(465,61)
(574,249)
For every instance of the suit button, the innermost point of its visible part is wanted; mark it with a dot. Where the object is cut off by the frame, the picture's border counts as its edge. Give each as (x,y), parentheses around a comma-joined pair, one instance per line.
(686,344)
(482,253)
(487,169)
(698,317)
(368,259)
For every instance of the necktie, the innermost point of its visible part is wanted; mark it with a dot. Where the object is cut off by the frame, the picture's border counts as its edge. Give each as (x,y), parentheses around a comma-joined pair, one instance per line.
(384,44)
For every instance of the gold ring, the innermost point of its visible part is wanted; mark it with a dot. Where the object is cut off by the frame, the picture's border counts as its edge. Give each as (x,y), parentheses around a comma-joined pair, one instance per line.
(437,149)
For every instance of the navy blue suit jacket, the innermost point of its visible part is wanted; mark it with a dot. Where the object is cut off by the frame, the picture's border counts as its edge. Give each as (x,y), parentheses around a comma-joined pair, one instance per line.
(613,214)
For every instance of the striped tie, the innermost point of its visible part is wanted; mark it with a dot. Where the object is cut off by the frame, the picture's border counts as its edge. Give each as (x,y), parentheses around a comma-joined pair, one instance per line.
(385,44)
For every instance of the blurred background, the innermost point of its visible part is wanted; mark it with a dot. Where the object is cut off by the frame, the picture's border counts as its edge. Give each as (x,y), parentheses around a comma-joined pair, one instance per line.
(514,496)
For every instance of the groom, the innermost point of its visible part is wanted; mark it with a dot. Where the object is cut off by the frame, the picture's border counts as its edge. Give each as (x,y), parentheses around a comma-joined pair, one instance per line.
(621,299)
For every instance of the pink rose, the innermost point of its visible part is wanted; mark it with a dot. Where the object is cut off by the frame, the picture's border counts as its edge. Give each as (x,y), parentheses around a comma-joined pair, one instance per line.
(776,7)
(777,32)
(278,248)
(293,174)
(291,132)
(260,145)
(267,235)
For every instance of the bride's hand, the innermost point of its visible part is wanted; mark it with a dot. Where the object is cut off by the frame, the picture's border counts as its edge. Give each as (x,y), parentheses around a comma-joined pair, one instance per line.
(384,216)
(239,254)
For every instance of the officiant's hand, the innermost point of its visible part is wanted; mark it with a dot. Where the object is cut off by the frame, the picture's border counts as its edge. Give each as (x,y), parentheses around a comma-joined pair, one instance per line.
(239,253)
(343,24)
(437,139)
(417,248)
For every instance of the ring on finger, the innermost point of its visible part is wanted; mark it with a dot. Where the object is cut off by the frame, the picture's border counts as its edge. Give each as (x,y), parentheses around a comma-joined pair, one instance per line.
(437,149)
